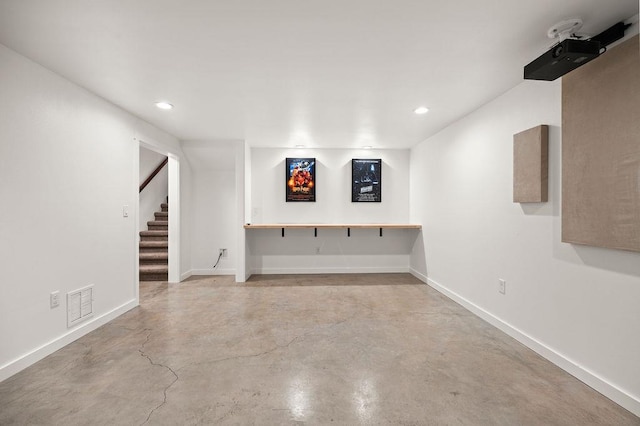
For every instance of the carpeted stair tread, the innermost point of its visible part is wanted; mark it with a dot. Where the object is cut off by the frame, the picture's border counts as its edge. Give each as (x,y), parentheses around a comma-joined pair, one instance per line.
(154,247)
(157,223)
(154,233)
(154,244)
(154,277)
(154,269)
(154,256)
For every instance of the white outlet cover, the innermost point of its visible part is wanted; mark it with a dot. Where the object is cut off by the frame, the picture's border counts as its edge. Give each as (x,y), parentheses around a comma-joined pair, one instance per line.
(54,299)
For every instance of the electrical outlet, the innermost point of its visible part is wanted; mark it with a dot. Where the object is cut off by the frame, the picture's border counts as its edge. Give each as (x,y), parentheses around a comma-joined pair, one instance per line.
(54,299)
(223,252)
(502,286)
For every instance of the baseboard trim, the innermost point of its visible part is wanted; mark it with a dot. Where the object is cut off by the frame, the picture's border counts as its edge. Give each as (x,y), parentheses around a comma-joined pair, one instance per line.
(217,271)
(19,364)
(606,388)
(344,270)
(185,275)
(419,275)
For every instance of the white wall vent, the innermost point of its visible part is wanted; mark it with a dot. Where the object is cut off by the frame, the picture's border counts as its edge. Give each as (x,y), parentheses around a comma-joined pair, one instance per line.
(79,305)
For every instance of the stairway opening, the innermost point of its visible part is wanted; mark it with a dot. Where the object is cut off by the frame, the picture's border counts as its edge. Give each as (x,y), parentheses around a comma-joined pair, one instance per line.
(153,216)
(154,247)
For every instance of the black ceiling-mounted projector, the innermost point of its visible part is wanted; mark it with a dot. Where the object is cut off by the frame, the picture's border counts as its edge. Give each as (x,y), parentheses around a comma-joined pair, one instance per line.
(572,51)
(561,59)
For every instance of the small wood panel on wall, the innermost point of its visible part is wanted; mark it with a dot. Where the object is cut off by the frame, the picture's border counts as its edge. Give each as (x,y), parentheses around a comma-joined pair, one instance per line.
(601,151)
(531,165)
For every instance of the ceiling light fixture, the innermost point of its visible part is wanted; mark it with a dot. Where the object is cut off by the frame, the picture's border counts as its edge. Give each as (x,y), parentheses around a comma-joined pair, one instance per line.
(299,146)
(421,110)
(164,105)
(367,147)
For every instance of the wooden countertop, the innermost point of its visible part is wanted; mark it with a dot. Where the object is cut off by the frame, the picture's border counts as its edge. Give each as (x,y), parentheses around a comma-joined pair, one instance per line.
(332,225)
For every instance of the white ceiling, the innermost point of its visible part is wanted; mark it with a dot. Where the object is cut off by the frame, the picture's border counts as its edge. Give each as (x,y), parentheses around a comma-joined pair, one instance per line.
(278,73)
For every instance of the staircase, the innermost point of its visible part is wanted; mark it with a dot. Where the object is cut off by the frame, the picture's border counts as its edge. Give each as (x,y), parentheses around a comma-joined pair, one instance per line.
(154,248)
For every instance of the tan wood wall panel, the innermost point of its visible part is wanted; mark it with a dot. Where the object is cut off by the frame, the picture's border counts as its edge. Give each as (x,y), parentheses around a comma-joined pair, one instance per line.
(601,151)
(531,165)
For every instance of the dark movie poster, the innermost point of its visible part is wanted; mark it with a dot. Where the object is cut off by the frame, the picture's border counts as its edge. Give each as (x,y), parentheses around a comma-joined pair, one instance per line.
(301,179)
(366,181)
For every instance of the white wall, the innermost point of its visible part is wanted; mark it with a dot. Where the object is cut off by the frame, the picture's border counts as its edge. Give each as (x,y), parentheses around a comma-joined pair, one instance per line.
(333,189)
(186,228)
(576,305)
(149,160)
(213,222)
(332,250)
(68,165)
(213,217)
(155,193)
(243,206)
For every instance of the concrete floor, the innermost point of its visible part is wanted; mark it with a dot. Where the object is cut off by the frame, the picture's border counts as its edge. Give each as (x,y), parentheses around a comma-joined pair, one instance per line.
(323,349)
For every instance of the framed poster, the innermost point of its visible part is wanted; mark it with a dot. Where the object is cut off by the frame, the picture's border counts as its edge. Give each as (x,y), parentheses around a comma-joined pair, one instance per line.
(300,179)
(366,181)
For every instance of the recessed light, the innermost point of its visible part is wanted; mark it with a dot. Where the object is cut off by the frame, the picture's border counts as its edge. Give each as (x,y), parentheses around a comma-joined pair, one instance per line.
(164,105)
(421,110)
(367,147)
(299,146)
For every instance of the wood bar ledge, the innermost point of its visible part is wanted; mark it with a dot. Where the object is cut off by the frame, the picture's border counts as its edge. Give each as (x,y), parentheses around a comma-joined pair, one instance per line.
(346,226)
(331,225)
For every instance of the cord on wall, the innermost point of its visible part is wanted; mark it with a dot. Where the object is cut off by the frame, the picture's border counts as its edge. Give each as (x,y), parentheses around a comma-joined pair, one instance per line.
(218,261)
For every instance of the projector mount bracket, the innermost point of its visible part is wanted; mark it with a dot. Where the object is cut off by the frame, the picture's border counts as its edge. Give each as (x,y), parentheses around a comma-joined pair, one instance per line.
(565,29)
